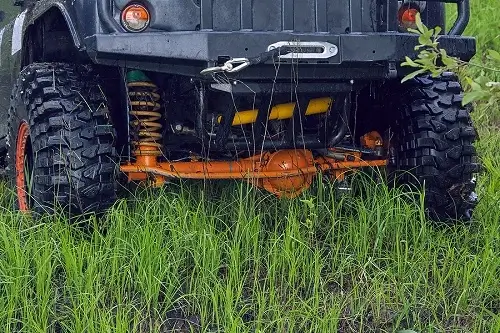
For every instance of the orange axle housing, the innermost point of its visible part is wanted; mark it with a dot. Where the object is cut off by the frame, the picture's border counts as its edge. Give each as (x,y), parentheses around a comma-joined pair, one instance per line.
(285,173)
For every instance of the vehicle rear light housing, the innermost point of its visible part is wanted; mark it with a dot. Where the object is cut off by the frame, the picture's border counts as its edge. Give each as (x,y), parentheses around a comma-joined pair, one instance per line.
(135,18)
(407,16)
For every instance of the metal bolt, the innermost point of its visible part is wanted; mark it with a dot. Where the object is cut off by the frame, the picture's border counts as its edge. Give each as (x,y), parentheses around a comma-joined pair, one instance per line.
(178,127)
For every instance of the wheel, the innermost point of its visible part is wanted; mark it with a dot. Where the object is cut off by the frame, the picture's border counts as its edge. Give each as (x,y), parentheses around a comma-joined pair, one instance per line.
(60,142)
(433,145)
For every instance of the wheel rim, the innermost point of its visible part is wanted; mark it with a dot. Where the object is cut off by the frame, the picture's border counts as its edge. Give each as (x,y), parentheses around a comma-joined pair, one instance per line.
(23,148)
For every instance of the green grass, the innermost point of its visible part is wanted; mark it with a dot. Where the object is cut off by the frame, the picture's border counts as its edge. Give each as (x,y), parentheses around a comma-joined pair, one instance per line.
(10,11)
(241,261)
(232,259)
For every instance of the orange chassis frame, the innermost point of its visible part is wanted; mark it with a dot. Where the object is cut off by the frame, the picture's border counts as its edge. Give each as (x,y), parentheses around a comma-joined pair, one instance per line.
(285,173)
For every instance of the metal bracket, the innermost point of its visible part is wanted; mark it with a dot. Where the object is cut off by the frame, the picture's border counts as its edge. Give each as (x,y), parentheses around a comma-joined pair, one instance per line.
(232,66)
(306,50)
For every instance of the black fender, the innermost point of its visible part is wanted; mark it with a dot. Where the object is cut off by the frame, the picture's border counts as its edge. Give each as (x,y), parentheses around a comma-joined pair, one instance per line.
(13,48)
(68,12)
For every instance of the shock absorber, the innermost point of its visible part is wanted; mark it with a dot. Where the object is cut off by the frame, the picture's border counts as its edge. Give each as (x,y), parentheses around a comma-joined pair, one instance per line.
(145,118)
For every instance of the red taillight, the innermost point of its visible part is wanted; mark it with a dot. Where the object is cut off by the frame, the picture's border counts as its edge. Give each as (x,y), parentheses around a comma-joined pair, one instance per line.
(135,18)
(407,18)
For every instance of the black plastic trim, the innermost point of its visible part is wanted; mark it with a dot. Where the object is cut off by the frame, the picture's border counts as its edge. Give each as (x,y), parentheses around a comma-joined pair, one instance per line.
(106,17)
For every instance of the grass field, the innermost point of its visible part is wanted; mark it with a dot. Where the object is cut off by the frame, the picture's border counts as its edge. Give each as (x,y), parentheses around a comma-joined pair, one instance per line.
(187,259)
(9,10)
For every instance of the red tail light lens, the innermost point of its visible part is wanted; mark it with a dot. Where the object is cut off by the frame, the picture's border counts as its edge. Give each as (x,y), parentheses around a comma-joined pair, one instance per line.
(135,18)
(407,18)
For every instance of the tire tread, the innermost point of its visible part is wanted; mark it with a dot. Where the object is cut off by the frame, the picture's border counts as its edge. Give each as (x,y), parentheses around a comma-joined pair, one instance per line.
(436,145)
(71,135)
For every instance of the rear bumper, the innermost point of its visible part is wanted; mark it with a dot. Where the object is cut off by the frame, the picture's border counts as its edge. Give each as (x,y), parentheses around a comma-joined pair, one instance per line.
(188,52)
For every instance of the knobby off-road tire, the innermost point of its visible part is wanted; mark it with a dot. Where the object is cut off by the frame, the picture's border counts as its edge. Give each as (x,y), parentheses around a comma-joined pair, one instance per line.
(434,146)
(70,141)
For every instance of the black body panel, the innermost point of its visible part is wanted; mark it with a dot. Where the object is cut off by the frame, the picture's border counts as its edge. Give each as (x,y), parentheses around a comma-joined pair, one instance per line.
(302,16)
(189,53)
(186,36)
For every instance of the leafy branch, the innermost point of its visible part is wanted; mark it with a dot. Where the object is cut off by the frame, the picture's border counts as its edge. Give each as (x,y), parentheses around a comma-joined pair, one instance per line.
(435,60)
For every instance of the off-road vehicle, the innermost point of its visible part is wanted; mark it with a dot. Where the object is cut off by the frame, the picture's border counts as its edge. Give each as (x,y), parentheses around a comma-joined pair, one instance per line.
(273,92)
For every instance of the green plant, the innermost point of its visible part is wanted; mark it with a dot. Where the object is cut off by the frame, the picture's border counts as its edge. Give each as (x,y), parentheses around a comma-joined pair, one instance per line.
(435,60)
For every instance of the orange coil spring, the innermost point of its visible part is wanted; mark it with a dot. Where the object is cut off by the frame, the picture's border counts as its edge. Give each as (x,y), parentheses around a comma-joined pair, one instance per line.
(145,119)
